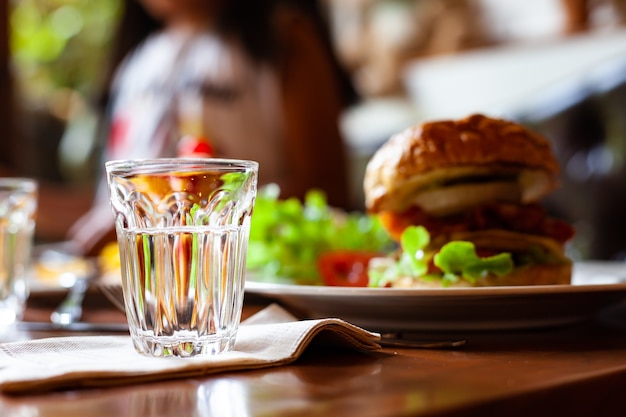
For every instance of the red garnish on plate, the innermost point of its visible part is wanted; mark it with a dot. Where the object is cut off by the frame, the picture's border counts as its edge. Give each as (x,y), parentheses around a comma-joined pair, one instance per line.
(345,268)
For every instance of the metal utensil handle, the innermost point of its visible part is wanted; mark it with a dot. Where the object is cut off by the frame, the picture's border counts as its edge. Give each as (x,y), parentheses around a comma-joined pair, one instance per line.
(71,309)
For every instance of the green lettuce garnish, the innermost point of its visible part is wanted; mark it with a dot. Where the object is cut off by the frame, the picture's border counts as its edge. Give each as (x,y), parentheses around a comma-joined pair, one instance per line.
(457,260)
(288,236)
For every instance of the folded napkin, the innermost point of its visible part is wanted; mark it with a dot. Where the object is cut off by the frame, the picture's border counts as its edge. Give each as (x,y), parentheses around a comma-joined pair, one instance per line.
(269,338)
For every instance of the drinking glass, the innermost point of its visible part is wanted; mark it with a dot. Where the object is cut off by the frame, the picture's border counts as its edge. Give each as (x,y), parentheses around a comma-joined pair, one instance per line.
(18,205)
(182,228)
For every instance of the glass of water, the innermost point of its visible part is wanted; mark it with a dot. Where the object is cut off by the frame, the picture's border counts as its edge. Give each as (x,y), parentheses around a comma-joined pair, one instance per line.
(182,228)
(18,205)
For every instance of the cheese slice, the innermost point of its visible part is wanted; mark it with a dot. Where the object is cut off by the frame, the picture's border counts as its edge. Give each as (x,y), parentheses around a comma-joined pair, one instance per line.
(441,201)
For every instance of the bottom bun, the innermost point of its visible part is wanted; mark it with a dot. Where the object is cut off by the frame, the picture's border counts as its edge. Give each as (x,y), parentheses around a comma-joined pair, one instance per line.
(560,274)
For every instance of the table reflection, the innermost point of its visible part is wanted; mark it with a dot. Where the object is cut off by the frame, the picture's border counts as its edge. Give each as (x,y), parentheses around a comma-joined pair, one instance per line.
(222,397)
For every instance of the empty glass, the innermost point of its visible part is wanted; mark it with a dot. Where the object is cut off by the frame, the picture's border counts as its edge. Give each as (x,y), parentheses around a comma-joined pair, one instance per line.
(18,205)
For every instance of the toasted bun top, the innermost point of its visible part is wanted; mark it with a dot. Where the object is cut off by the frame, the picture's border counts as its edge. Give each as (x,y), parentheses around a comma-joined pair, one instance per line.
(449,150)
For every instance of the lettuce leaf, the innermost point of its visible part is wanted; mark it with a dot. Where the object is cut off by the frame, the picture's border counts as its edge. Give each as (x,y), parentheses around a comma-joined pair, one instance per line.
(287,235)
(456,260)
(460,260)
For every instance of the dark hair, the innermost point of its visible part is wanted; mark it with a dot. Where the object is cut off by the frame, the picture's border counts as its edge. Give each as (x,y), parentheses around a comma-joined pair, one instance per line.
(248,21)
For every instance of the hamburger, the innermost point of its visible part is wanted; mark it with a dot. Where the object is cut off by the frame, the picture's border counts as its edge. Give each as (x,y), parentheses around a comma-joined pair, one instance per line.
(476,182)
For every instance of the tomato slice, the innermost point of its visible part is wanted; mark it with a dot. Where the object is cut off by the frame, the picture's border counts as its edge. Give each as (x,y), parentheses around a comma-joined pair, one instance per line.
(345,268)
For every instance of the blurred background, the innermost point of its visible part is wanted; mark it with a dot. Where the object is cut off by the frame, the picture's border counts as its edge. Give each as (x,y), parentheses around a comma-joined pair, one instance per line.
(558,66)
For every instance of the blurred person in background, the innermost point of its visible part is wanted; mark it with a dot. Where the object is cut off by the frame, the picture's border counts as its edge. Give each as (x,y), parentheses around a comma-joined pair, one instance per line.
(226,78)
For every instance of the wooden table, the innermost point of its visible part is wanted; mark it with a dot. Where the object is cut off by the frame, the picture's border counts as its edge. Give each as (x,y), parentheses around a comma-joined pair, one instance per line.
(576,370)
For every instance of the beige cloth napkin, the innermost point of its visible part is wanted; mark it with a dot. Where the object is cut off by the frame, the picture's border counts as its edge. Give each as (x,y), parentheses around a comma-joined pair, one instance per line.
(271,337)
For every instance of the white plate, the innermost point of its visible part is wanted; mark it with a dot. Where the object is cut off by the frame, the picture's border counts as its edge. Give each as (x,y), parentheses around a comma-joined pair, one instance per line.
(595,286)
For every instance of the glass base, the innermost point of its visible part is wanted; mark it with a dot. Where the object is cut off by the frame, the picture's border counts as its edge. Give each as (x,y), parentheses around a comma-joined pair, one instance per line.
(182,346)
(10,312)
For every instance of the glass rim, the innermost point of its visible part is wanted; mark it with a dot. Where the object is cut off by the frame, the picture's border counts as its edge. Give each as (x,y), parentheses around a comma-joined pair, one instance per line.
(159,164)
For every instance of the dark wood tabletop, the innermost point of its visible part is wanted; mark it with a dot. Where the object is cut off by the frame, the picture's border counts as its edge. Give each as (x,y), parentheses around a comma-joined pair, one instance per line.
(573,370)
